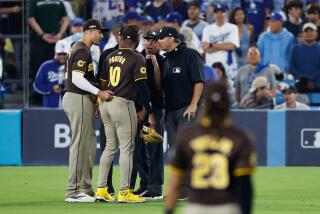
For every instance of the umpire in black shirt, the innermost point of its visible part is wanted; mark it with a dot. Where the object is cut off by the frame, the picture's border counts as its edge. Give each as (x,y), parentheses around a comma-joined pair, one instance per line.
(181,79)
(149,157)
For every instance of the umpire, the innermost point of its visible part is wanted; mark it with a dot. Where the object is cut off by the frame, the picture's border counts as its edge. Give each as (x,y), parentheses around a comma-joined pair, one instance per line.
(181,79)
(149,157)
(78,105)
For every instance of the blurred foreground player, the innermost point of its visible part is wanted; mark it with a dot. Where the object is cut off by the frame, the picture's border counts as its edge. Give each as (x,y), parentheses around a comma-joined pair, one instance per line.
(216,157)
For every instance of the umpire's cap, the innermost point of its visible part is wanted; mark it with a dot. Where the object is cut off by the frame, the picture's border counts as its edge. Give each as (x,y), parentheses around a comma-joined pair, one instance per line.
(131,32)
(93,24)
(151,34)
(216,98)
(168,32)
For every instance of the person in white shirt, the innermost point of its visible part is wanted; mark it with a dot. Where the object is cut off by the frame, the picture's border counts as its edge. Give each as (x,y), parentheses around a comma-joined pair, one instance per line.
(220,40)
(290,95)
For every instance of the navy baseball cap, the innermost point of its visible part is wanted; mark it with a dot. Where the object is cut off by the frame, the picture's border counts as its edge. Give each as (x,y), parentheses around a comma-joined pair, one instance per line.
(194,4)
(168,32)
(220,7)
(93,24)
(174,17)
(151,34)
(290,89)
(131,15)
(147,20)
(275,16)
(77,22)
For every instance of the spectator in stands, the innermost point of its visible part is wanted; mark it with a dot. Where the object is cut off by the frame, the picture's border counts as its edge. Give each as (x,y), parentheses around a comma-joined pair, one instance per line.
(220,40)
(209,73)
(257,11)
(181,7)
(49,79)
(174,19)
(108,12)
(275,45)
(11,23)
(305,57)
(157,9)
(294,21)
(246,37)
(194,22)
(191,39)
(219,68)
(249,72)
(49,22)
(313,15)
(259,96)
(76,35)
(290,96)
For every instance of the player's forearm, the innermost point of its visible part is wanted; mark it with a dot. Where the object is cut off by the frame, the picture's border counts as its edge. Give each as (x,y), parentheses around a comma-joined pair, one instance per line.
(35,26)
(79,81)
(175,183)
(197,91)
(157,78)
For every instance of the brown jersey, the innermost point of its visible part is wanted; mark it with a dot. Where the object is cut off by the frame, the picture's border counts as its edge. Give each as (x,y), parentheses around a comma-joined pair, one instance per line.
(211,163)
(79,60)
(121,70)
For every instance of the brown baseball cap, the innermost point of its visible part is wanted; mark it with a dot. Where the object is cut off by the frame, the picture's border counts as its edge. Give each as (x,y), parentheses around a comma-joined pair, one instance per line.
(93,24)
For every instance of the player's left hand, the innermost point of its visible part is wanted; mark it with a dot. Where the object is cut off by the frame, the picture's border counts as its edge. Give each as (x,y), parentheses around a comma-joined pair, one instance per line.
(190,112)
(96,111)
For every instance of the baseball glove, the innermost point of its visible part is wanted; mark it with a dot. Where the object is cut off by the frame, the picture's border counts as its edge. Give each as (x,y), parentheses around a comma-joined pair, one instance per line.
(150,135)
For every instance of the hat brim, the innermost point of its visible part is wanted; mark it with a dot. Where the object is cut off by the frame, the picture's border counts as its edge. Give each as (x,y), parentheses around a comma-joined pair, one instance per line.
(103,29)
(151,37)
(306,28)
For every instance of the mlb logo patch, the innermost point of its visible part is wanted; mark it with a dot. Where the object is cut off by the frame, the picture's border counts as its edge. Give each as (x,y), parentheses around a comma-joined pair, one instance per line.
(176,70)
(310,138)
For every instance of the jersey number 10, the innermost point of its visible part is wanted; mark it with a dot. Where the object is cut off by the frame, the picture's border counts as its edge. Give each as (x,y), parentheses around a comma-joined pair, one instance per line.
(210,171)
(114,75)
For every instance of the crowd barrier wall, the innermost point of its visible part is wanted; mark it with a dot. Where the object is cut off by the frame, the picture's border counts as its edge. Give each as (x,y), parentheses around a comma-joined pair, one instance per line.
(282,138)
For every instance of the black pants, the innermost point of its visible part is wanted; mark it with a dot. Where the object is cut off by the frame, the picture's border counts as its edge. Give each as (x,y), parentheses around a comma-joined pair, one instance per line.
(148,160)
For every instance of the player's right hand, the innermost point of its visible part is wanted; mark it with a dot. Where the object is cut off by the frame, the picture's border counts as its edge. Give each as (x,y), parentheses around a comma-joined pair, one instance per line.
(105,95)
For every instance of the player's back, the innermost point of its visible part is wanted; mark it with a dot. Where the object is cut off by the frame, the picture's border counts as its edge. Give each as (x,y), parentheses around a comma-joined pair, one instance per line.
(213,161)
(123,68)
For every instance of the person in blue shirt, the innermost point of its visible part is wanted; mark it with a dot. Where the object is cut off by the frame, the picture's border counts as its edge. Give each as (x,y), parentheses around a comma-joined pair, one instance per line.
(257,11)
(275,45)
(158,9)
(305,57)
(49,78)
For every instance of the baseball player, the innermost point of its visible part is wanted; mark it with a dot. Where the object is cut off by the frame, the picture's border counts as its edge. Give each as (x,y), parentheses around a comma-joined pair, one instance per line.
(124,72)
(79,107)
(218,158)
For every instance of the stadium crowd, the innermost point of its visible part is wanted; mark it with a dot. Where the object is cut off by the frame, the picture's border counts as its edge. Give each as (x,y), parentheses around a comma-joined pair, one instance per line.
(267,53)
(275,39)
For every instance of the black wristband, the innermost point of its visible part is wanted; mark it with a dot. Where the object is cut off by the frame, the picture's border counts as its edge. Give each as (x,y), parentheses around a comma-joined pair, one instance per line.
(169,211)
(210,45)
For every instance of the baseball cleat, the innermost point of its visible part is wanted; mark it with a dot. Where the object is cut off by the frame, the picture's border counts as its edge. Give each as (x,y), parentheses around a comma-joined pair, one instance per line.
(128,197)
(80,198)
(102,195)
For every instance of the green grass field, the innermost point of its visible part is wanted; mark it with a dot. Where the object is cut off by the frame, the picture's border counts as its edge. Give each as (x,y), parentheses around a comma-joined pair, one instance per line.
(290,190)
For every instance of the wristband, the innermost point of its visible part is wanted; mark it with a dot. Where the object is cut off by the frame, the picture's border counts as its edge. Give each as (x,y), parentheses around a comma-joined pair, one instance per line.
(169,211)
